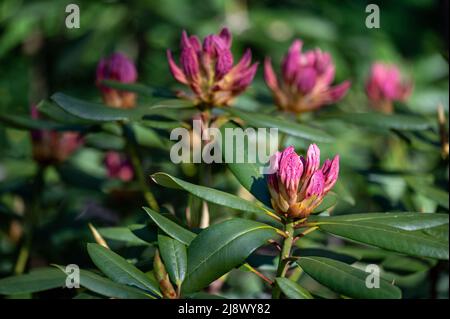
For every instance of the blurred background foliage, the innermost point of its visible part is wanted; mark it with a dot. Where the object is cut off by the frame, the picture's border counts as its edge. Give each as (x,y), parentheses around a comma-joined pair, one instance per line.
(382,170)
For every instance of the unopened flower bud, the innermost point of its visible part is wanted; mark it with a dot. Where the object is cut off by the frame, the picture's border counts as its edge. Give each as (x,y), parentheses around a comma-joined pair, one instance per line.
(384,86)
(306,80)
(297,185)
(116,67)
(208,70)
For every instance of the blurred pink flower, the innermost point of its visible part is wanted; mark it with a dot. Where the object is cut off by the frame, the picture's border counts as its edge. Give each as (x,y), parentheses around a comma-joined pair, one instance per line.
(118,166)
(299,185)
(50,147)
(208,69)
(116,67)
(385,85)
(306,80)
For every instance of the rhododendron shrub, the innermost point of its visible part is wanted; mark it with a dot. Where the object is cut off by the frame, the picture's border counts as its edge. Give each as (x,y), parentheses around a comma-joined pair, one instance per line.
(246,150)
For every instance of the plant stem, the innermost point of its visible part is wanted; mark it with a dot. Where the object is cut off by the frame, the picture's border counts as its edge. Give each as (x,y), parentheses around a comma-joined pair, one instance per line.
(30,220)
(284,256)
(130,138)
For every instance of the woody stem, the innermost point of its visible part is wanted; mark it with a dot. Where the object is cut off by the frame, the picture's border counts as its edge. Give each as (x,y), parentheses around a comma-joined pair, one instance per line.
(137,166)
(284,256)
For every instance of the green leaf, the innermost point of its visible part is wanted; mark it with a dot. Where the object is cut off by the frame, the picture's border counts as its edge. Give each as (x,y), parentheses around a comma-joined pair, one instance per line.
(174,255)
(102,113)
(119,270)
(209,194)
(292,290)
(387,237)
(405,221)
(170,227)
(248,174)
(220,248)
(109,288)
(37,280)
(345,279)
(386,121)
(94,111)
(23,122)
(124,234)
(328,202)
(438,195)
(54,112)
(283,125)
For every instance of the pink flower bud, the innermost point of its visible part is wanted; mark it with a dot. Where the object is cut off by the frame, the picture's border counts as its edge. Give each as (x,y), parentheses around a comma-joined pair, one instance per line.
(118,166)
(208,69)
(51,147)
(330,170)
(316,185)
(385,86)
(306,80)
(297,186)
(290,170)
(116,67)
(312,162)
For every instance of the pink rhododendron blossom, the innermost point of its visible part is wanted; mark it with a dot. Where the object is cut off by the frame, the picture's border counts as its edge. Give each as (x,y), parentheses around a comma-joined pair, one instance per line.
(207,68)
(116,67)
(384,86)
(305,84)
(118,166)
(50,147)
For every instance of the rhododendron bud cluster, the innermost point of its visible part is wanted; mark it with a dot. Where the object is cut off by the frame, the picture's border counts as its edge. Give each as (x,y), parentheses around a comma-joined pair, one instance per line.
(207,68)
(51,147)
(118,166)
(298,185)
(116,67)
(385,85)
(305,83)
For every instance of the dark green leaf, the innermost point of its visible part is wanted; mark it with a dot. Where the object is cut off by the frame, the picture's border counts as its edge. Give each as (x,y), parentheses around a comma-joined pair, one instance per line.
(345,279)
(174,256)
(106,287)
(387,237)
(406,220)
(292,290)
(208,194)
(119,270)
(283,125)
(170,227)
(37,280)
(220,248)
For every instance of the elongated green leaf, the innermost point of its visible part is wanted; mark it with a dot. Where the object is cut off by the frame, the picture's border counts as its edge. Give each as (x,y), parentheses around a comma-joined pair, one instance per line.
(345,279)
(438,195)
(94,111)
(109,288)
(37,280)
(388,237)
(23,122)
(170,227)
(248,174)
(208,194)
(56,113)
(174,255)
(292,290)
(220,248)
(124,234)
(102,113)
(119,270)
(387,121)
(406,220)
(283,125)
